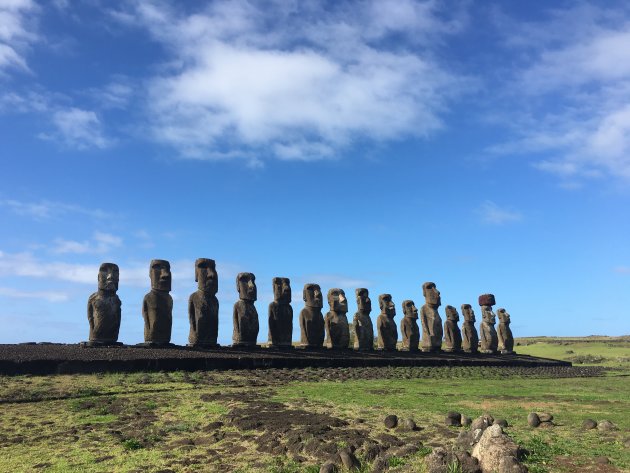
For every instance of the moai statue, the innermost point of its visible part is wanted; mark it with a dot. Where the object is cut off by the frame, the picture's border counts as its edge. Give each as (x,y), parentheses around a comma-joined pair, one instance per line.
(385,325)
(470,339)
(336,321)
(363,329)
(311,318)
(505,338)
(245,316)
(203,306)
(281,315)
(103,309)
(430,319)
(409,327)
(489,339)
(157,307)
(452,335)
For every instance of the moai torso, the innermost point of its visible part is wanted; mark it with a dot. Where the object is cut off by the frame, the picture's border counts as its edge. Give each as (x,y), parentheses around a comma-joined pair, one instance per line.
(311,318)
(430,318)
(409,326)
(281,314)
(452,335)
(488,334)
(203,305)
(387,332)
(505,338)
(104,307)
(312,327)
(336,321)
(362,322)
(104,312)
(245,315)
(470,338)
(157,307)
(203,312)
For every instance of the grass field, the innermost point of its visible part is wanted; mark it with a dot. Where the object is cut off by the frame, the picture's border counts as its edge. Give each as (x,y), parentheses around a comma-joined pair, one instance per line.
(290,421)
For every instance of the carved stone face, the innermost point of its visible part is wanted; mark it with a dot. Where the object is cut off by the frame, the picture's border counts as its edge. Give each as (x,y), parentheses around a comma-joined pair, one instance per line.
(312,295)
(387,305)
(431,294)
(206,275)
(409,309)
(487,315)
(108,277)
(504,317)
(469,313)
(282,290)
(160,272)
(337,301)
(364,303)
(246,286)
(451,313)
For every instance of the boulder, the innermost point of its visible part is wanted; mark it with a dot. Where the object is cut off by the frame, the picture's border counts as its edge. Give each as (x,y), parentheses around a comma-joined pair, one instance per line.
(391,421)
(328,467)
(533,420)
(493,447)
(606,425)
(482,422)
(545,417)
(409,424)
(502,422)
(589,424)
(466,421)
(349,461)
(453,419)
(511,465)
(436,461)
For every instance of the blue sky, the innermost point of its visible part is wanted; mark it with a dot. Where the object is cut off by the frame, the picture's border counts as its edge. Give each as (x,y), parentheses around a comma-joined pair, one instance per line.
(481,145)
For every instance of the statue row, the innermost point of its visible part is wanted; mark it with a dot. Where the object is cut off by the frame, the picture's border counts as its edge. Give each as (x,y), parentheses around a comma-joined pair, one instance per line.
(333,330)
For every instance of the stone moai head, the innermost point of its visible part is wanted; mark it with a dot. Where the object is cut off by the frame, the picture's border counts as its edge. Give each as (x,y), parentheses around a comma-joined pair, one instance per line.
(409,309)
(246,286)
(387,305)
(364,303)
(504,317)
(160,273)
(206,275)
(281,290)
(312,295)
(337,300)
(486,299)
(431,294)
(108,277)
(469,313)
(451,313)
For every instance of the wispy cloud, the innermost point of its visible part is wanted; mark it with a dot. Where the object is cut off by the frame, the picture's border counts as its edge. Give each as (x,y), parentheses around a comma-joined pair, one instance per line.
(574,86)
(249,76)
(50,296)
(45,209)
(101,243)
(77,128)
(622,269)
(16,33)
(491,213)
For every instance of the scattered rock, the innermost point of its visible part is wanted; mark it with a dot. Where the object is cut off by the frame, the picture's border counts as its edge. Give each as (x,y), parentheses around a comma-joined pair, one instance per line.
(606,425)
(349,461)
(601,460)
(405,450)
(466,421)
(546,425)
(545,417)
(435,462)
(494,446)
(328,467)
(381,464)
(502,422)
(511,465)
(391,421)
(409,424)
(468,463)
(589,424)
(482,422)
(533,420)
(370,451)
(453,419)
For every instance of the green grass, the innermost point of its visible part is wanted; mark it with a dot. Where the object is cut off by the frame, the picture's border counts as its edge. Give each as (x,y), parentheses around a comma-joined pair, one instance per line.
(140,421)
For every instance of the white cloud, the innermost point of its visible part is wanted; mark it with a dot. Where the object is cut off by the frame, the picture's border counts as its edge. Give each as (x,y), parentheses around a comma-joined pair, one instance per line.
(491,213)
(575,89)
(16,32)
(77,128)
(102,243)
(46,209)
(50,296)
(248,76)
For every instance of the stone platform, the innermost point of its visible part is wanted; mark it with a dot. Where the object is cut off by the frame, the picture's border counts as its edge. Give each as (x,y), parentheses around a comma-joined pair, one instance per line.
(48,358)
